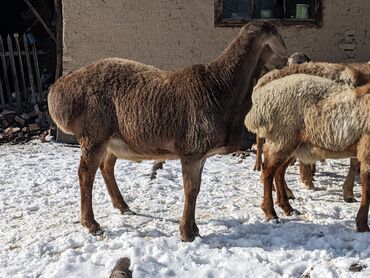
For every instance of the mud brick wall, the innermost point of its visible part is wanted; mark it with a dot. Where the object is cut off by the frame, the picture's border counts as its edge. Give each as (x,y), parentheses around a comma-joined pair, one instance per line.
(175,33)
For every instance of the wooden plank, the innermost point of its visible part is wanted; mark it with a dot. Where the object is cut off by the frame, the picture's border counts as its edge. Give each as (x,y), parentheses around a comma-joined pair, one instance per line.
(278,22)
(24,87)
(29,69)
(37,71)
(40,19)
(6,53)
(14,74)
(218,13)
(2,100)
(5,70)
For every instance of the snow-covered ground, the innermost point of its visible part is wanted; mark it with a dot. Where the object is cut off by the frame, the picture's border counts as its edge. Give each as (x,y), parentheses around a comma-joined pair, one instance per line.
(40,233)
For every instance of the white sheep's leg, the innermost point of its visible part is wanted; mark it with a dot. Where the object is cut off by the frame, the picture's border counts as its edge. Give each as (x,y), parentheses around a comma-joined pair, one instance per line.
(107,170)
(270,165)
(288,191)
(91,157)
(158,164)
(306,174)
(273,160)
(258,163)
(350,180)
(191,173)
(281,189)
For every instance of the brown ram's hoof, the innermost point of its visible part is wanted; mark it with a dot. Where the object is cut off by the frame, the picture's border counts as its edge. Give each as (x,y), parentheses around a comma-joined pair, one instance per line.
(294,212)
(270,215)
(364,229)
(189,232)
(361,228)
(128,212)
(309,186)
(92,226)
(350,200)
(257,168)
(274,220)
(121,269)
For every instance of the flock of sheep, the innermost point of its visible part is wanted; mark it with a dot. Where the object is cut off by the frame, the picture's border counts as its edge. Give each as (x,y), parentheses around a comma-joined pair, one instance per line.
(124,109)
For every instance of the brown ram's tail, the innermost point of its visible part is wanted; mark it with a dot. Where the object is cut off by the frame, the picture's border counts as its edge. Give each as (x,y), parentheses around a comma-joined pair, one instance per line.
(65,107)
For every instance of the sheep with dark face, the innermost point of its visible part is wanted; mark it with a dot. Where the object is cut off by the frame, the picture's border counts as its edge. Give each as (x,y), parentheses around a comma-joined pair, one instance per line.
(123,109)
(311,118)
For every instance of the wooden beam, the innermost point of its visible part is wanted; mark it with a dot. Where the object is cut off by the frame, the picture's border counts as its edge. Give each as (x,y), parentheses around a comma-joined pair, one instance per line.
(40,19)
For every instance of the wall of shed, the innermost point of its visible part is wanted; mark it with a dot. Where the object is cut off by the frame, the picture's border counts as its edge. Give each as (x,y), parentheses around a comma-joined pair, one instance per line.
(175,33)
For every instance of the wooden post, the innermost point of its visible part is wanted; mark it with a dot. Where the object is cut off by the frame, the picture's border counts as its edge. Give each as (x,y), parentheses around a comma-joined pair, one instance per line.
(29,68)
(14,74)
(2,100)
(59,38)
(16,38)
(37,71)
(5,70)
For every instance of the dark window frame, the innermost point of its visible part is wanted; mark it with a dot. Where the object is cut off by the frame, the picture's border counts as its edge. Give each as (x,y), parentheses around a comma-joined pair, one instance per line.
(225,22)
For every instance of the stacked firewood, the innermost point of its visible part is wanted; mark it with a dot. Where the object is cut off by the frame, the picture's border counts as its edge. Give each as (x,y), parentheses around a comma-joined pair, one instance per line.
(15,128)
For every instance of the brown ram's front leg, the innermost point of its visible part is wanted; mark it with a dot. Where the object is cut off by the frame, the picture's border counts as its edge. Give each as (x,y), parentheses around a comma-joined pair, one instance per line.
(90,159)
(362,215)
(191,172)
(364,159)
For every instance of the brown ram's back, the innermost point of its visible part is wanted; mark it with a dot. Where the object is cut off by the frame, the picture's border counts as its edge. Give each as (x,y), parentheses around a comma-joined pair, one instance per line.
(153,112)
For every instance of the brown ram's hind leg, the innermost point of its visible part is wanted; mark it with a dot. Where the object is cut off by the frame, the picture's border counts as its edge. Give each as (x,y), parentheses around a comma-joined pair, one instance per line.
(158,164)
(107,169)
(364,158)
(191,172)
(90,159)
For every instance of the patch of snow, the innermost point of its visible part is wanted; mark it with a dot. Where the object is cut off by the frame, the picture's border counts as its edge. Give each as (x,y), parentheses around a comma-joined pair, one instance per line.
(40,233)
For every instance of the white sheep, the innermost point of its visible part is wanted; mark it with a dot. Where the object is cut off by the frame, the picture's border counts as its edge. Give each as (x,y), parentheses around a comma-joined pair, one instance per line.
(311,118)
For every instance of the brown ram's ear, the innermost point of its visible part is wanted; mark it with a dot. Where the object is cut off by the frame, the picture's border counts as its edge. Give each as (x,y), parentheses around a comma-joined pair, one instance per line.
(277,45)
(272,60)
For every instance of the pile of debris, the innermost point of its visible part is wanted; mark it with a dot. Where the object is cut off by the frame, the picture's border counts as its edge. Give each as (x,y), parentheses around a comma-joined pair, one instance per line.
(15,128)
